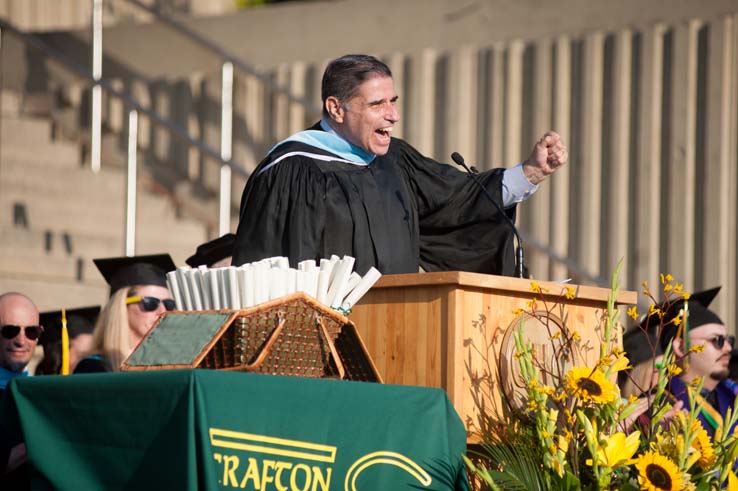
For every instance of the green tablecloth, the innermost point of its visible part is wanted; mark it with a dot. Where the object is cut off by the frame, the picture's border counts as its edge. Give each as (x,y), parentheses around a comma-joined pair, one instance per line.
(208,430)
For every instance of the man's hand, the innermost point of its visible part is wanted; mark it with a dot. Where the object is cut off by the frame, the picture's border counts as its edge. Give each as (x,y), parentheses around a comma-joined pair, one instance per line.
(547,156)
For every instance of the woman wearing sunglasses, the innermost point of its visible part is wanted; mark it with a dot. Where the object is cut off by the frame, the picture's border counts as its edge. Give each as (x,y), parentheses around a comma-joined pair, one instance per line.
(138,296)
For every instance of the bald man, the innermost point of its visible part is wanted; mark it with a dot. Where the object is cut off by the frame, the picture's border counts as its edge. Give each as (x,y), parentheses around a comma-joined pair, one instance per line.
(19,333)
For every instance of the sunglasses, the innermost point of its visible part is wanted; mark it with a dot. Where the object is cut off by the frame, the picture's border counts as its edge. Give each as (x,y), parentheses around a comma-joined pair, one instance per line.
(719,341)
(10,331)
(150,304)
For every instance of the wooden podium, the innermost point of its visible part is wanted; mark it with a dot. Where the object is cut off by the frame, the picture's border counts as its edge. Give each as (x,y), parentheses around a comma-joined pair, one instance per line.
(451,330)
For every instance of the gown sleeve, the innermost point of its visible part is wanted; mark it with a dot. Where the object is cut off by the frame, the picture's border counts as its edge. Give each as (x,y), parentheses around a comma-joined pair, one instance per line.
(282,212)
(460,230)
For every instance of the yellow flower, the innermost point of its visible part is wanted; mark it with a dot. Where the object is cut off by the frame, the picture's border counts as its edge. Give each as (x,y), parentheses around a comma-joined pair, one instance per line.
(571,293)
(633,313)
(674,370)
(535,287)
(591,385)
(686,296)
(517,312)
(653,310)
(666,279)
(678,288)
(618,450)
(658,473)
(702,444)
(732,482)
(531,304)
(620,363)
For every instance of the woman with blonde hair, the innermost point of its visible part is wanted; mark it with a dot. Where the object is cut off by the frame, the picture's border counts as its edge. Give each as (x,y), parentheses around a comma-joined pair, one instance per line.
(138,296)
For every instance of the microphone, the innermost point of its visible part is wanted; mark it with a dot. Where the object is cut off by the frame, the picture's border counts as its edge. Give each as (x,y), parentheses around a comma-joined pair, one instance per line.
(520,269)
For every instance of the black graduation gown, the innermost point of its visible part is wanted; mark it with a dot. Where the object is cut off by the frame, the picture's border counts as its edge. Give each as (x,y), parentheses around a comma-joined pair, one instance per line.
(400,212)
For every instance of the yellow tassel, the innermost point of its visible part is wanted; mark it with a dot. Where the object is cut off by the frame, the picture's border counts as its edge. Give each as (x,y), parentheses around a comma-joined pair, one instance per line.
(64,345)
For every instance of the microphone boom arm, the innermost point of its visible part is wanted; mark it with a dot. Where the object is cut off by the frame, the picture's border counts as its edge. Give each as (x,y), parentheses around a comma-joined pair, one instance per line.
(519,256)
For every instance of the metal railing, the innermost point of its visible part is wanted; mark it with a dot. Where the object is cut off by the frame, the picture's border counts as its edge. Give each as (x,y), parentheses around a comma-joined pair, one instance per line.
(229,62)
(134,109)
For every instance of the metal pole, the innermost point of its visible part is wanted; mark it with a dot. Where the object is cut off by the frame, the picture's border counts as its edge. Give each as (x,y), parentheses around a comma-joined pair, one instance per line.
(131,183)
(226,146)
(96,138)
(2,83)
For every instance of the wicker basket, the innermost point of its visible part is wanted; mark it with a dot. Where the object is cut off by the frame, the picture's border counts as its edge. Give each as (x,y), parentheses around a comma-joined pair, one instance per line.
(294,335)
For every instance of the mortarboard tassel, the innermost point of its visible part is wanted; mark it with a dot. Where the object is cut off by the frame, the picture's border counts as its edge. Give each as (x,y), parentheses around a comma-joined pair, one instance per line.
(64,344)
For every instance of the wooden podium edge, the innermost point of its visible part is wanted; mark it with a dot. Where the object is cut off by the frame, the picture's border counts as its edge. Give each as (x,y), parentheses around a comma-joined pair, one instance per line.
(506,283)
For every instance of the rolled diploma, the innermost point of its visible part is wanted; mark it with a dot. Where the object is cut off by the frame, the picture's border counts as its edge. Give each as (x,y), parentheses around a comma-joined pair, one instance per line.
(195,290)
(230,271)
(241,277)
(184,284)
(249,277)
(364,285)
(214,288)
(290,281)
(277,282)
(173,284)
(324,276)
(261,282)
(225,288)
(310,283)
(205,293)
(338,289)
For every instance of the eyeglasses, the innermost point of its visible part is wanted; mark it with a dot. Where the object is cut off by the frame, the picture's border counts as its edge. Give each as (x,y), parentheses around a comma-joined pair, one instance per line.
(10,331)
(719,341)
(150,304)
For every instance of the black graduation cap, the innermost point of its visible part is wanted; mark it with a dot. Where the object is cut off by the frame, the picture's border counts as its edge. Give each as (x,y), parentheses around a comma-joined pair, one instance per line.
(120,272)
(699,315)
(79,321)
(213,251)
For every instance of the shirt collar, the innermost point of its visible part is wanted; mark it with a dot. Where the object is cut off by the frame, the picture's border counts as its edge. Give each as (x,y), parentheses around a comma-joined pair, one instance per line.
(6,376)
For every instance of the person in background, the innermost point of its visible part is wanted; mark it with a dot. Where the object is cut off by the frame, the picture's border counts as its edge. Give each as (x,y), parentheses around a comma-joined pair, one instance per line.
(690,323)
(19,334)
(80,326)
(138,296)
(645,355)
(217,253)
(20,331)
(644,352)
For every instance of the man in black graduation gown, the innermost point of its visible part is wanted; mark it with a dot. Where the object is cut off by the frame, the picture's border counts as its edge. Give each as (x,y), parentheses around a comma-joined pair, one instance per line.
(346,187)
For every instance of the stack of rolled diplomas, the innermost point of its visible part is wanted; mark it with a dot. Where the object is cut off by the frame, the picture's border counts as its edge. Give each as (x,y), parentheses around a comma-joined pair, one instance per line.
(332,282)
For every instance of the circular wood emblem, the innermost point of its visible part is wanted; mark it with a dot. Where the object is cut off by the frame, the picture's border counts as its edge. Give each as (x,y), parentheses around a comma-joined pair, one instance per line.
(545,332)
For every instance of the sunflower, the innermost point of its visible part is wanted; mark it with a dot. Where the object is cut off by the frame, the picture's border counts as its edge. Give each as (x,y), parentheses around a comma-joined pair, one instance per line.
(591,385)
(658,473)
(702,444)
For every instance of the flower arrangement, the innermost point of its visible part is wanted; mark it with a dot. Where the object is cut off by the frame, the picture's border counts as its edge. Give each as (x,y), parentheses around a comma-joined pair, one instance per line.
(575,431)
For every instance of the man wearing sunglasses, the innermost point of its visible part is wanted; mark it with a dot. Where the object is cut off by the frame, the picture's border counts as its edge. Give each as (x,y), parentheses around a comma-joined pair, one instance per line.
(19,333)
(705,331)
